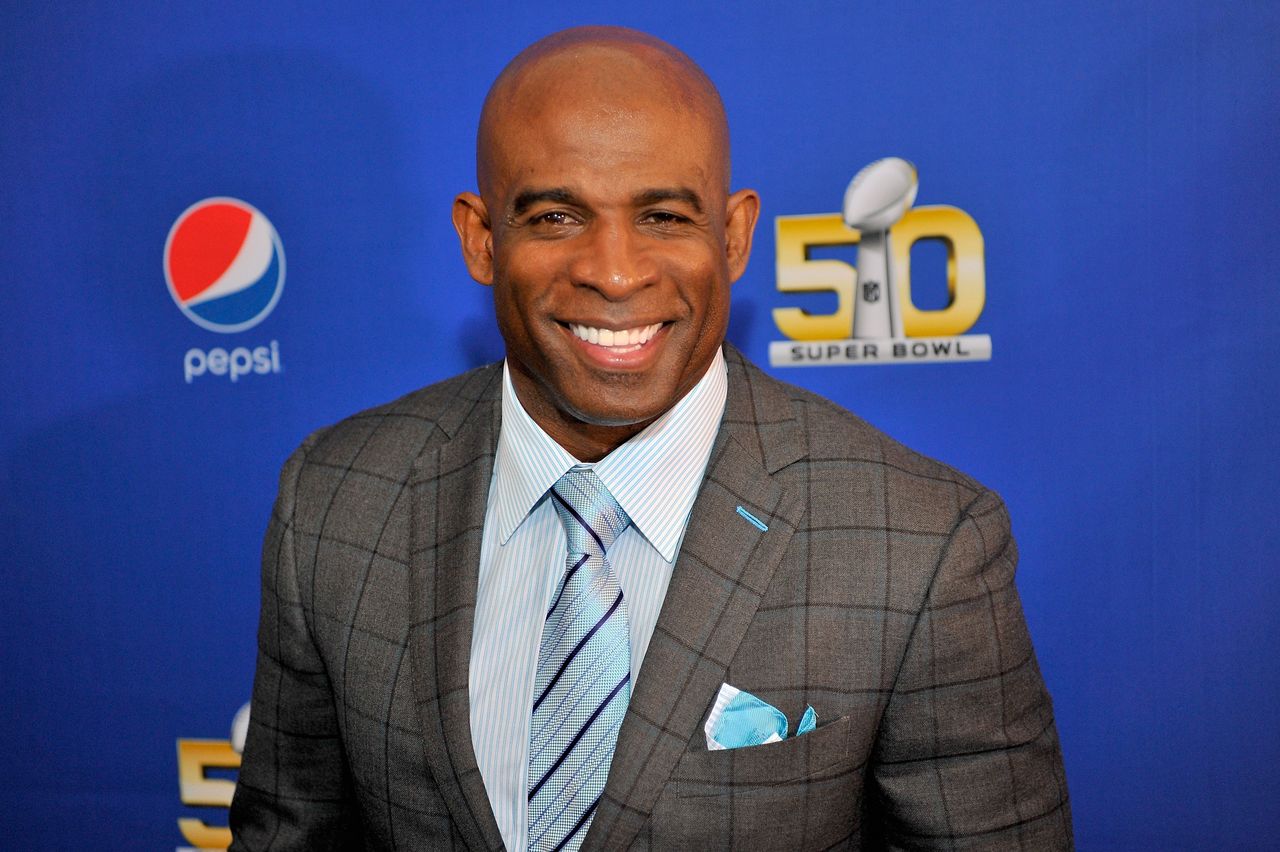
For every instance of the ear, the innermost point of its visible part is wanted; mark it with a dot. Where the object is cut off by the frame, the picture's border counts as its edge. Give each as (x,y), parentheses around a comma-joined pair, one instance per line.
(471,221)
(740,227)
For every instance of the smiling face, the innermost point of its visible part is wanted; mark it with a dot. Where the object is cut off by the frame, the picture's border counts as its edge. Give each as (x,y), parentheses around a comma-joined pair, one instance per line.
(609,237)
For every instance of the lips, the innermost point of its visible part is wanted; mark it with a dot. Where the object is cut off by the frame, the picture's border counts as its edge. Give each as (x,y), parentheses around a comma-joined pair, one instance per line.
(619,340)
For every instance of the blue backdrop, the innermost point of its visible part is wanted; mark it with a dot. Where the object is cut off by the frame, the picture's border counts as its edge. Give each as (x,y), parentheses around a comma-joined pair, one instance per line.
(1121,161)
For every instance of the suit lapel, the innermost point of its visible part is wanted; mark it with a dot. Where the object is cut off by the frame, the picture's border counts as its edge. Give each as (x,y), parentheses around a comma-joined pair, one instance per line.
(450,486)
(723,570)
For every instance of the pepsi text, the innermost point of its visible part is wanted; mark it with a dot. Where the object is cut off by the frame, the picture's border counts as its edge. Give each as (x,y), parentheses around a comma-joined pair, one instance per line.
(234,364)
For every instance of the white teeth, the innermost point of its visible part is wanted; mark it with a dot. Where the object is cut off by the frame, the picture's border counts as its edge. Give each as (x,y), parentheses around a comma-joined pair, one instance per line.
(622,338)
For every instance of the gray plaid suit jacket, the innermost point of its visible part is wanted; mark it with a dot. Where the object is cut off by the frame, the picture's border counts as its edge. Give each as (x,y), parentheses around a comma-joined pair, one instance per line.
(882,594)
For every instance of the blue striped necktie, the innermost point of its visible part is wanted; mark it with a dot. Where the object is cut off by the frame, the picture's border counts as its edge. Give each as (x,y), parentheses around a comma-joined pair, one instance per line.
(584,670)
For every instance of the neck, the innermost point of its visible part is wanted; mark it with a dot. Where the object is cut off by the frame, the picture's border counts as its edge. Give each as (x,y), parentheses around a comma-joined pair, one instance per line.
(585,441)
(588,442)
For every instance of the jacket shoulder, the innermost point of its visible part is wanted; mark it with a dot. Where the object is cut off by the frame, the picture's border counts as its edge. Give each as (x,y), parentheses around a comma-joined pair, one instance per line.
(839,440)
(384,440)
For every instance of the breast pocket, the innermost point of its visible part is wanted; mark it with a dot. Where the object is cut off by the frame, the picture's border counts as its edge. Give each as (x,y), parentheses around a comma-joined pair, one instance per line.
(802,792)
(796,759)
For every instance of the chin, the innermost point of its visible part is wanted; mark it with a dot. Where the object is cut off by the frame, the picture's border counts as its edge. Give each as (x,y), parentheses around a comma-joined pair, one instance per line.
(621,400)
(618,408)
(597,416)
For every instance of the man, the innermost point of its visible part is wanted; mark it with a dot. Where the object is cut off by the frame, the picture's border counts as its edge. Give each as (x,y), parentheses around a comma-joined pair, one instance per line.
(476,630)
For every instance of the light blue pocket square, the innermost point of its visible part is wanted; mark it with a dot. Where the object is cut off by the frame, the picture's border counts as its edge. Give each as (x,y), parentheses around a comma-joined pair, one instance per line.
(739,719)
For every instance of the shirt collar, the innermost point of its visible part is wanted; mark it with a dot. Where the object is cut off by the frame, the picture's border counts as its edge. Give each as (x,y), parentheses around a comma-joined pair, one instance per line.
(654,476)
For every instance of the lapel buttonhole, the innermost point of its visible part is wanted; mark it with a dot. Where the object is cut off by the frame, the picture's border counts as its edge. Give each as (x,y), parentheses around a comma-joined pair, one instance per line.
(756,522)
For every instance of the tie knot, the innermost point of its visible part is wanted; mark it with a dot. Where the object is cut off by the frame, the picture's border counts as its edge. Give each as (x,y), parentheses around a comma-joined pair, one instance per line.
(592,518)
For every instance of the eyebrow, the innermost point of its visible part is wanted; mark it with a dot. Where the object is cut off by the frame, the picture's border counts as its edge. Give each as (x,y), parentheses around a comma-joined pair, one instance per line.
(562,195)
(657,196)
(530,197)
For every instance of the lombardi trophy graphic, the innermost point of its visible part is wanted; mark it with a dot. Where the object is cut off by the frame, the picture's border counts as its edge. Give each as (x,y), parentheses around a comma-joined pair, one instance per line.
(877,197)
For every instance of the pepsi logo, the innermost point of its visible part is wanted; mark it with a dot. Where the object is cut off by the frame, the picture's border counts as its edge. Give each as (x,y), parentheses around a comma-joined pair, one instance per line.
(224,264)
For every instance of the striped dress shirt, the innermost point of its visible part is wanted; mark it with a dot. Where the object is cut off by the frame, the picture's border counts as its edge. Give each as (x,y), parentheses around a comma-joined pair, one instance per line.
(655,477)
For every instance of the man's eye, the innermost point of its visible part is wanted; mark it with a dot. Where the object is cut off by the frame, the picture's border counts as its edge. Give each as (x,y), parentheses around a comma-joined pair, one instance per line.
(664,218)
(552,218)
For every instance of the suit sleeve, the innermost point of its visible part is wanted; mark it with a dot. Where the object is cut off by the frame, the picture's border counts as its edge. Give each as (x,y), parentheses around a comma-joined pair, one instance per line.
(968,754)
(294,791)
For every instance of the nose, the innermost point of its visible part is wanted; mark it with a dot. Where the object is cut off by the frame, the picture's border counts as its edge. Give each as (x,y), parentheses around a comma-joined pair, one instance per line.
(614,260)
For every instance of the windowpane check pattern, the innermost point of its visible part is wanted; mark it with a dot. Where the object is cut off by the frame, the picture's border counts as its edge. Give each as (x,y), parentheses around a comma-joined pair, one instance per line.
(583,680)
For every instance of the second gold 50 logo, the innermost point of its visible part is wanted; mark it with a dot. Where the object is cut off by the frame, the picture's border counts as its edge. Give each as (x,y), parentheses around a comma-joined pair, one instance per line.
(875,321)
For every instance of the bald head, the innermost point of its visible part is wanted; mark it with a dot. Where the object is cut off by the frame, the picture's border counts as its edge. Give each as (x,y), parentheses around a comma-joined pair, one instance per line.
(606,228)
(611,71)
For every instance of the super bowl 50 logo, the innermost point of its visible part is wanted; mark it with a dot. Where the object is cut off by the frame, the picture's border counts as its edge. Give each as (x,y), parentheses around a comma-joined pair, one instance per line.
(875,321)
(206,779)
